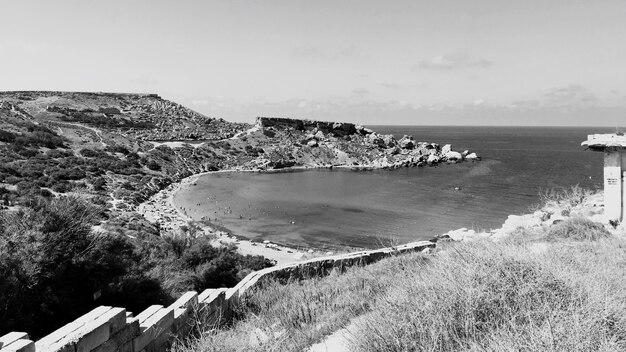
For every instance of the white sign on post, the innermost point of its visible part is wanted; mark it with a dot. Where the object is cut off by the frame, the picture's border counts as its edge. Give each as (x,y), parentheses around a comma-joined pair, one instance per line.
(613,185)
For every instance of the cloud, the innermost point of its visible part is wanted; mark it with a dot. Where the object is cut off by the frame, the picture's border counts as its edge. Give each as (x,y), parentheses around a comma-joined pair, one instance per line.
(390,85)
(361,92)
(570,94)
(453,62)
(478,102)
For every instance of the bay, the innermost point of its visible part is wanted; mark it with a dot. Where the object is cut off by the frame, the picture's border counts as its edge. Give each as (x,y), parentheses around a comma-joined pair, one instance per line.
(330,209)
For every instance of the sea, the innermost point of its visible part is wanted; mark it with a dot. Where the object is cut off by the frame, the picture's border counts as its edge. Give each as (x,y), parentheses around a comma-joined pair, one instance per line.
(334,209)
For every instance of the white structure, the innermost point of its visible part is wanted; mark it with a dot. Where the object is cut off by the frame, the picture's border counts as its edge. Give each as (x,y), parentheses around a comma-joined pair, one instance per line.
(614,148)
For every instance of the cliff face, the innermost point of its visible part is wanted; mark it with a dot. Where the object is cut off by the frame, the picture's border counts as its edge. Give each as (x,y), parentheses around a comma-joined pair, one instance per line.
(336,128)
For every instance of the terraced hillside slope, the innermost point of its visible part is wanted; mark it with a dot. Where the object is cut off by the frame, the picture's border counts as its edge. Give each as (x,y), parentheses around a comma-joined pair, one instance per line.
(136,116)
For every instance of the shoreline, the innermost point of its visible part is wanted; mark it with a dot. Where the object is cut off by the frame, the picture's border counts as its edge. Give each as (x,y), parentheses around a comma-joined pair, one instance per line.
(160,208)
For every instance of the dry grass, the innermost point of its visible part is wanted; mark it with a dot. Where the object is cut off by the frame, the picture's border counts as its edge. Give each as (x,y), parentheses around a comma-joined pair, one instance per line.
(572,196)
(292,317)
(505,297)
(558,289)
(577,229)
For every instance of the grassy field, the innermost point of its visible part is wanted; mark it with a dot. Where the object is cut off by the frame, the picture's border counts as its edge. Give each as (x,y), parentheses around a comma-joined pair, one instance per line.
(560,290)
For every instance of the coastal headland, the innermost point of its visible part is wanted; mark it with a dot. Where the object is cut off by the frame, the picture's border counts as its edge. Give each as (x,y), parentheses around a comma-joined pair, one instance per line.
(121,150)
(74,167)
(288,145)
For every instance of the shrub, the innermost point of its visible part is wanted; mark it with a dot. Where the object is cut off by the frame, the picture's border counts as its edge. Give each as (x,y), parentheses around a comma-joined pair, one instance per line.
(573,196)
(28,153)
(62,187)
(6,136)
(90,153)
(98,184)
(577,229)
(153,165)
(51,264)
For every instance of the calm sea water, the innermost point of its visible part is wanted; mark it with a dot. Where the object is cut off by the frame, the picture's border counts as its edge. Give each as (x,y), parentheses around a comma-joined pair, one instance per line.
(364,209)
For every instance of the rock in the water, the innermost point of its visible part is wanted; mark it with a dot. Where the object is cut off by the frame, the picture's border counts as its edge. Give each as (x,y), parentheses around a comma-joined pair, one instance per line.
(446,149)
(432,159)
(451,155)
(312,143)
(471,156)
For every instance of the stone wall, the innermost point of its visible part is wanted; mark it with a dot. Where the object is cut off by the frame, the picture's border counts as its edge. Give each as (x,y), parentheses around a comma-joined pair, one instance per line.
(110,329)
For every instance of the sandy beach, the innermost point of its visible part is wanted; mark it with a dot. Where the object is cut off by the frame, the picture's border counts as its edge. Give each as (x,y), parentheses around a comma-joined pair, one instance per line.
(160,208)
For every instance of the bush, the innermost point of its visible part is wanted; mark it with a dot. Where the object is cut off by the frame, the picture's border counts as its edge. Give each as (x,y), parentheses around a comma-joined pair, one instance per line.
(6,136)
(62,187)
(577,229)
(153,165)
(90,153)
(51,264)
(194,264)
(573,196)
(98,184)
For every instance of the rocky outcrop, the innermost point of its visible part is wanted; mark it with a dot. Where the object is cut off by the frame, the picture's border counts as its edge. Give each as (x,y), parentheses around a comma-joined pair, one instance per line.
(407,142)
(554,211)
(339,129)
(323,144)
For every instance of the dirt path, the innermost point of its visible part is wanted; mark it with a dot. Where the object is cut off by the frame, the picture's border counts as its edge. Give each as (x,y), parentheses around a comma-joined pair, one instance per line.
(92,129)
(339,341)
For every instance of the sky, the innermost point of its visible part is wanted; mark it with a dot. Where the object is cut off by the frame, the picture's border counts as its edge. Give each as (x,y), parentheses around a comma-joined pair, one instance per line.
(411,62)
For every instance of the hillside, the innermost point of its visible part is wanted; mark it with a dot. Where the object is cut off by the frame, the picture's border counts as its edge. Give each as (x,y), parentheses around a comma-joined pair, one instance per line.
(135,116)
(75,166)
(122,148)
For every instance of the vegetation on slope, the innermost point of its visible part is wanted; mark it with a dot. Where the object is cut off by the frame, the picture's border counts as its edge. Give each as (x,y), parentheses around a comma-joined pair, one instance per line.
(530,292)
(103,151)
(54,266)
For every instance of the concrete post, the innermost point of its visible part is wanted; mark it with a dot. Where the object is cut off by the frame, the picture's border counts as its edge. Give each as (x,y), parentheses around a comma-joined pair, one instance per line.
(613,185)
(623,191)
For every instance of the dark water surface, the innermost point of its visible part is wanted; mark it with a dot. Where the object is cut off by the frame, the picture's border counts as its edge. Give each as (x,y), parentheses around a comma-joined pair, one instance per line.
(363,209)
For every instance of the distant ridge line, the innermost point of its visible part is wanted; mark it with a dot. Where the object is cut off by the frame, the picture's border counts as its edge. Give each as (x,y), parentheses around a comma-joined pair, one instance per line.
(150,95)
